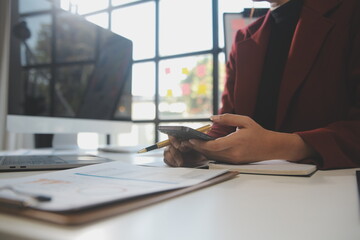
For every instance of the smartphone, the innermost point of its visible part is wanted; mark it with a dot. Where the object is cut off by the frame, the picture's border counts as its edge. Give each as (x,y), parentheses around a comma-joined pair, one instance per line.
(184,133)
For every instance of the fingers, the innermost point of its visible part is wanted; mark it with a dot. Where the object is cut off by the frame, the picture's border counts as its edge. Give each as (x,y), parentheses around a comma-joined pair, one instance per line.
(182,155)
(233,120)
(173,141)
(221,149)
(173,154)
(172,157)
(220,144)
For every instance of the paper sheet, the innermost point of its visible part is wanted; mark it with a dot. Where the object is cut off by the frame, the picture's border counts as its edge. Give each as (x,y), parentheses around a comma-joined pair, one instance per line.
(86,186)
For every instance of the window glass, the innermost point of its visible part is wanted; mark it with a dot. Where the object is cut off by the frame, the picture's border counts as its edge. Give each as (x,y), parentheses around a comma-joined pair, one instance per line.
(185,87)
(36,45)
(120,2)
(65,4)
(101,19)
(26,6)
(84,6)
(185,26)
(138,24)
(143,91)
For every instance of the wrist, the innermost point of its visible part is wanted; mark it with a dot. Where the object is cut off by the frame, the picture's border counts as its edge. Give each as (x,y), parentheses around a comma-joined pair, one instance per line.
(292,147)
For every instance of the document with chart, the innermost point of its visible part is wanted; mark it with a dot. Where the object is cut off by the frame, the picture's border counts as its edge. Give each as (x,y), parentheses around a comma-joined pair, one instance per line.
(98,184)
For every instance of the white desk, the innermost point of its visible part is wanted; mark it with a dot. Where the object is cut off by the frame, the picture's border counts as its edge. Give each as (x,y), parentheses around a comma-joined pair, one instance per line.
(324,206)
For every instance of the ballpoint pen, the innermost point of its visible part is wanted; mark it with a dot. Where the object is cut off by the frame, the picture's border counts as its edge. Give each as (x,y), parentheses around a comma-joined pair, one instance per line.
(167,142)
(23,203)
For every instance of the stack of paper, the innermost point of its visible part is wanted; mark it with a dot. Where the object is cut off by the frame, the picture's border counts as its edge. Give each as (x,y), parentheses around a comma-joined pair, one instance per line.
(98,184)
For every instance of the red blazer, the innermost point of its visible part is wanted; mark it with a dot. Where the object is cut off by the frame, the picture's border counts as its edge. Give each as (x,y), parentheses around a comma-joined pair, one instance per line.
(320,91)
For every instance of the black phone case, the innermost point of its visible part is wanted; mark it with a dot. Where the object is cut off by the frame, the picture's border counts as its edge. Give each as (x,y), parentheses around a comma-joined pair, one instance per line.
(184,133)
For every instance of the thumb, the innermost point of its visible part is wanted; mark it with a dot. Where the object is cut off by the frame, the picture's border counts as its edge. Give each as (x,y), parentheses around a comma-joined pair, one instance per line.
(232,120)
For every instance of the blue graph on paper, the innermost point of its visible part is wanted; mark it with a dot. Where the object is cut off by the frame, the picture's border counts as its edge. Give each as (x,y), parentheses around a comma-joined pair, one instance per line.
(127,179)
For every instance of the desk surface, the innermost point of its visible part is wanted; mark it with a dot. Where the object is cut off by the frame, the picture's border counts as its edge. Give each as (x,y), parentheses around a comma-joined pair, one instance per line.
(324,206)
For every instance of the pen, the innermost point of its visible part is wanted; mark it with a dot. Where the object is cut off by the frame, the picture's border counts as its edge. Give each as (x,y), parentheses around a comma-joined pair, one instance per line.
(165,143)
(23,203)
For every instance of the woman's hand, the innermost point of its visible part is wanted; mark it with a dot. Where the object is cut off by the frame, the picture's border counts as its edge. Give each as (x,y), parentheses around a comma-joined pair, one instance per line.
(177,154)
(249,143)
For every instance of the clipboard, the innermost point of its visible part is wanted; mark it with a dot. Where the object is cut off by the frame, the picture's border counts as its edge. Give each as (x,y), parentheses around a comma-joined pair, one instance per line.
(91,214)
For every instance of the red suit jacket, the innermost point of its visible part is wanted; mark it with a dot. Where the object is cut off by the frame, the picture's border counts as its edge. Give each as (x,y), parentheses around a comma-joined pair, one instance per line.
(319,96)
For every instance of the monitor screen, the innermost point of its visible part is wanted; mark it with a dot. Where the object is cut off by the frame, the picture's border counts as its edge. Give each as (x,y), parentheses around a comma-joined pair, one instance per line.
(67,75)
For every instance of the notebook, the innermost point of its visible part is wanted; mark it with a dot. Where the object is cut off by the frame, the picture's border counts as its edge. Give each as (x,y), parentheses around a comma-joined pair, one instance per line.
(47,162)
(269,167)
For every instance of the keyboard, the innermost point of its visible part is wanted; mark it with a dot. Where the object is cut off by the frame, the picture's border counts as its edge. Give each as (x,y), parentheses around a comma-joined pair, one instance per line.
(30,160)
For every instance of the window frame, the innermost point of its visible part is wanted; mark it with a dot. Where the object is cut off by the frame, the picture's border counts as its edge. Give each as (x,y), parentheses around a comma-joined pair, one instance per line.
(215,51)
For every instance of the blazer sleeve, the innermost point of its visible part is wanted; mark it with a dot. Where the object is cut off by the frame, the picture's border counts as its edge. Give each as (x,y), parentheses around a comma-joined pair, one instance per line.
(338,144)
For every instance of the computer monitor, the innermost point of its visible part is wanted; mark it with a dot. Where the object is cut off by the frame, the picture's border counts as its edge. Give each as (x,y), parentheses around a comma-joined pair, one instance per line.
(67,75)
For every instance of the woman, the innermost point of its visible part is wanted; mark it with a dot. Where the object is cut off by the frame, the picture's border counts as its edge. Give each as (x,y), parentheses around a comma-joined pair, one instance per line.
(292,90)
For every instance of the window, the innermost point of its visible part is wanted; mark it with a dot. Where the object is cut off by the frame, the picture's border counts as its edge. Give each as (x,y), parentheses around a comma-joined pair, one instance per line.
(137,22)
(179,60)
(185,87)
(185,26)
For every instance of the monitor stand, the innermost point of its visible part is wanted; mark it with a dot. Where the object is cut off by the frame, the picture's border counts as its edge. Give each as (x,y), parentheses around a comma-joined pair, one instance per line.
(43,140)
